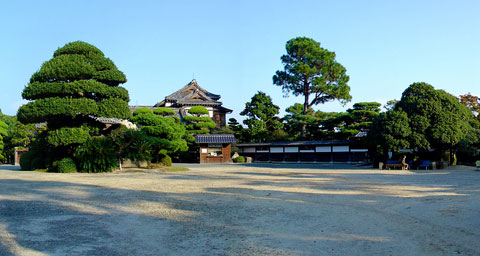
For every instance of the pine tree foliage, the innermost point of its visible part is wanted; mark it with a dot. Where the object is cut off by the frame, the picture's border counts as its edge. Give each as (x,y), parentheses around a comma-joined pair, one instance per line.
(68,91)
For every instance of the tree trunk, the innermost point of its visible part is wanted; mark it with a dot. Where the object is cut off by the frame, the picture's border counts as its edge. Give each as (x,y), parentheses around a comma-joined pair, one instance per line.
(306,93)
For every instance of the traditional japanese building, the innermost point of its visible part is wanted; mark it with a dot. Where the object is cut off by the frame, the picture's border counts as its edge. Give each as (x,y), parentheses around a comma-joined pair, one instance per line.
(335,151)
(191,95)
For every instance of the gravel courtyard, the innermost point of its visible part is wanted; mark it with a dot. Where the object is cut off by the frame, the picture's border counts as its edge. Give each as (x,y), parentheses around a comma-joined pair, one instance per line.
(242,210)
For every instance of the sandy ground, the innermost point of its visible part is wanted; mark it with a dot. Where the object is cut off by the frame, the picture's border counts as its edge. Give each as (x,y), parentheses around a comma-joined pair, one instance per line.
(242,210)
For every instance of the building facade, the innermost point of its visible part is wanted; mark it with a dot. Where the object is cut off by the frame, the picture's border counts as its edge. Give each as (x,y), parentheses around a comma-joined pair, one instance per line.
(215,148)
(191,95)
(306,151)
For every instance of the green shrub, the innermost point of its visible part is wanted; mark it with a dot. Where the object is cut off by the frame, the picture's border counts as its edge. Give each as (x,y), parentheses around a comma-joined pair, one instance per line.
(26,160)
(166,160)
(239,159)
(198,110)
(37,163)
(163,111)
(68,135)
(143,110)
(66,165)
(97,155)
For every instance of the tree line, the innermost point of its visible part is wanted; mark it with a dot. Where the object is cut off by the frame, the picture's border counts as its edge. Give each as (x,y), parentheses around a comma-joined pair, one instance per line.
(75,97)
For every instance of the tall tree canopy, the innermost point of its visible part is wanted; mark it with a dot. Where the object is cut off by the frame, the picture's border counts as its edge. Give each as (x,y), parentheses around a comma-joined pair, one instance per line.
(436,118)
(262,119)
(313,72)
(425,118)
(391,131)
(71,91)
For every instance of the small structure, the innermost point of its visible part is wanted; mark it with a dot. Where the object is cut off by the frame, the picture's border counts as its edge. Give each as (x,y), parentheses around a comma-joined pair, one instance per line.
(345,151)
(18,155)
(215,148)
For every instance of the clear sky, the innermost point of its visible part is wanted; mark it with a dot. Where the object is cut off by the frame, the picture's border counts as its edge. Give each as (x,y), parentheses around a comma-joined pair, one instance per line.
(233,48)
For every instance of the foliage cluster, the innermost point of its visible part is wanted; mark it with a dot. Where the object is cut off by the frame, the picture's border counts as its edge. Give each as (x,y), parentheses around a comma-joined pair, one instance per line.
(65,165)
(3,134)
(69,93)
(198,122)
(163,135)
(312,72)
(239,159)
(423,119)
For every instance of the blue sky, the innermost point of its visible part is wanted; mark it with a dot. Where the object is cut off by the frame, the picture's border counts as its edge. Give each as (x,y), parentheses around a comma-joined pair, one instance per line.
(233,48)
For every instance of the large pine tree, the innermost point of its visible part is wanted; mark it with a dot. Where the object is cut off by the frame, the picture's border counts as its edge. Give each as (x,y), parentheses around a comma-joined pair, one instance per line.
(70,92)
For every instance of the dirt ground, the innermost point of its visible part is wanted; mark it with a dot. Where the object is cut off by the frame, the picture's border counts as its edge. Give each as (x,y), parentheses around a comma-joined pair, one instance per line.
(242,210)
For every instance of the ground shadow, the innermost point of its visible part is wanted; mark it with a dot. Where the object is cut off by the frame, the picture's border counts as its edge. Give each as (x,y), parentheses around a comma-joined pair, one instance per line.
(252,218)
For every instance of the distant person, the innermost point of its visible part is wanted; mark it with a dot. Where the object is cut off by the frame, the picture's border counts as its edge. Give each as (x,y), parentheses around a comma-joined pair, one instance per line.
(404,164)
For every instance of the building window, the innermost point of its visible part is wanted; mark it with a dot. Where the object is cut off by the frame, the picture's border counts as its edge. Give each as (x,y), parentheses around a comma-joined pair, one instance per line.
(214,151)
(307,149)
(263,149)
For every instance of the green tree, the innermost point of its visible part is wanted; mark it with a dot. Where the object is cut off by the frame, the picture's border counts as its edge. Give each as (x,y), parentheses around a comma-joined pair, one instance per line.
(234,125)
(313,72)
(164,134)
(295,120)
(18,135)
(359,118)
(262,120)
(390,131)
(472,102)
(199,122)
(437,119)
(163,111)
(425,118)
(70,92)
(3,134)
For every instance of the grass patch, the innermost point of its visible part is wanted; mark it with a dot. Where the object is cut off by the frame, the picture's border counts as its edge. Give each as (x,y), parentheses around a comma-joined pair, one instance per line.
(177,169)
(41,170)
(163,168)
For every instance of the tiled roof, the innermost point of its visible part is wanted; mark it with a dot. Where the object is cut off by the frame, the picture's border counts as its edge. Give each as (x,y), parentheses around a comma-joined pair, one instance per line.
(214,138)
(190,90)
(298,143)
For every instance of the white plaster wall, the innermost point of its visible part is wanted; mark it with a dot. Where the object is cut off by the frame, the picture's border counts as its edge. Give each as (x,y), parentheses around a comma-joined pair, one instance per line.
(340,148)
(276,149)
(324,149)
(291,149)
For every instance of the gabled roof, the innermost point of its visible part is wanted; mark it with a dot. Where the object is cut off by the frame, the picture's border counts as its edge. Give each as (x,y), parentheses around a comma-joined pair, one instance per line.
(192,89)
(299,143)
